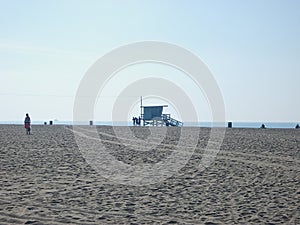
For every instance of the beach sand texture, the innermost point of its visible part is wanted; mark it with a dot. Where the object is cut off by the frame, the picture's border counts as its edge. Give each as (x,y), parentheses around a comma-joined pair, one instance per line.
(255,179)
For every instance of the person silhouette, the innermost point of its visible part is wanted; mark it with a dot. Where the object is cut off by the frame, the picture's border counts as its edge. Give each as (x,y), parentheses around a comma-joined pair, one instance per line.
(27,122)
(134,121)
(297,126)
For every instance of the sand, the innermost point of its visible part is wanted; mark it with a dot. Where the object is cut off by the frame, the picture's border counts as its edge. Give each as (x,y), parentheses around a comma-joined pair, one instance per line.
(44,179)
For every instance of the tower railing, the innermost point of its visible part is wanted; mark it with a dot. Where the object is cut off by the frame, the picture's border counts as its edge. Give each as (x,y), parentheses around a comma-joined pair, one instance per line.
(164,120)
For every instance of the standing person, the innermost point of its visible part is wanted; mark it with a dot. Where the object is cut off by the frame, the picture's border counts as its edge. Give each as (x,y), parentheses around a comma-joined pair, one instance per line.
(27,122)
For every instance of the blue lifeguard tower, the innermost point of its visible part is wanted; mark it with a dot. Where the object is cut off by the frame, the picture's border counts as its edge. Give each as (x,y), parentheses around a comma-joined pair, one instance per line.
(154,116)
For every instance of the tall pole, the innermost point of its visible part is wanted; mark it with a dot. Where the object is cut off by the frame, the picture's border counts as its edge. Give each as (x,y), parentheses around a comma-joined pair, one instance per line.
(141,106)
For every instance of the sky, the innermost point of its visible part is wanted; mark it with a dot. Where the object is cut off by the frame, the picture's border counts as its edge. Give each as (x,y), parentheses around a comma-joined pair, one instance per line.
(252,48)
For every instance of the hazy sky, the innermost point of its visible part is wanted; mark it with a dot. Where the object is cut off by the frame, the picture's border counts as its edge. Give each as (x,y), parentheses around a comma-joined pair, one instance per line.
(251,47)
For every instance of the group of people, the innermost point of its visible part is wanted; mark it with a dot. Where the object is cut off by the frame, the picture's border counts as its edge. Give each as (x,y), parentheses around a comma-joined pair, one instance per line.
(136,121)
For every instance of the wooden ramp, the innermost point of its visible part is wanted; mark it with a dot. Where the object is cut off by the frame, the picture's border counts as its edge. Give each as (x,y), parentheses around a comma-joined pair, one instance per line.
(163,120)
(169,121)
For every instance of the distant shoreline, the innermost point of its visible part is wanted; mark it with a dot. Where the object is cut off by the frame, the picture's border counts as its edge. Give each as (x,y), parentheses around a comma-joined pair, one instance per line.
(270,125)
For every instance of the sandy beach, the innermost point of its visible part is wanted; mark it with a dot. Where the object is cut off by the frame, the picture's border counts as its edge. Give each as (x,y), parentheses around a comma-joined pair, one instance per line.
(44,179)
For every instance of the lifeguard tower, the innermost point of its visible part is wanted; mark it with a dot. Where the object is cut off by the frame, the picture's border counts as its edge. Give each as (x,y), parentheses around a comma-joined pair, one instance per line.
(153,116)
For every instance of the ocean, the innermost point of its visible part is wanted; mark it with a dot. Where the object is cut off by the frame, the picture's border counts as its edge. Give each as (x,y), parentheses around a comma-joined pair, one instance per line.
(286,125)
